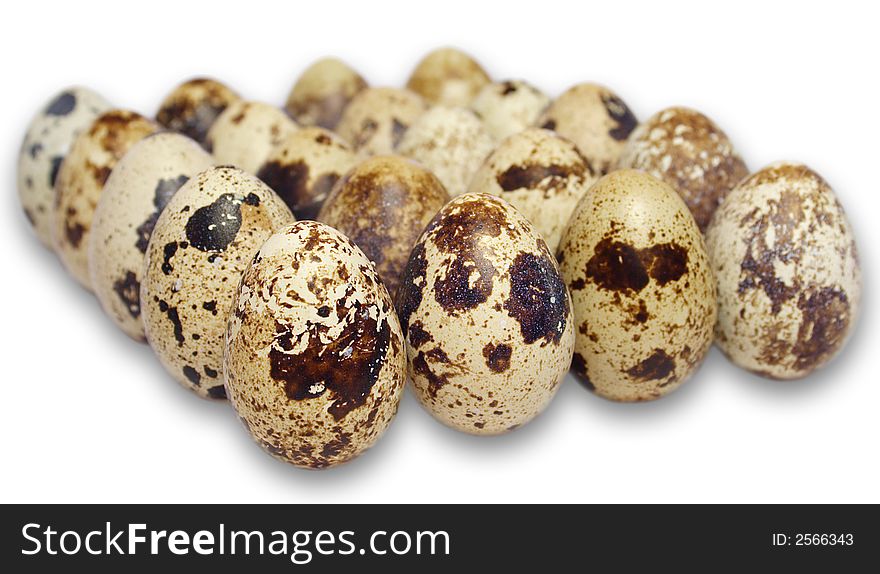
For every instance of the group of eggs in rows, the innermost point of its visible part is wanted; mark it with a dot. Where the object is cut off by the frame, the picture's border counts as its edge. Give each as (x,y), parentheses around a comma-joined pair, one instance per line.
(594,258)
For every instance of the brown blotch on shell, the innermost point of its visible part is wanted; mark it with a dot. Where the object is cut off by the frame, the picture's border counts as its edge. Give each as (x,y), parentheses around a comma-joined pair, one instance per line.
(192,107)
(538,300)
(617,266)
(656,367)
(497,356)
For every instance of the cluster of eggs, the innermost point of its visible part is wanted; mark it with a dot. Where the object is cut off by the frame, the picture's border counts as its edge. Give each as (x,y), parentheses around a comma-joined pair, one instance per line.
(475,237)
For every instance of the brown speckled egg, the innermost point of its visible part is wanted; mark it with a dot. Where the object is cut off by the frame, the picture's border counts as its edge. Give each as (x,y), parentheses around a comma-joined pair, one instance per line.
(509,107)
(486,317)
(246,133)
(303,168)
(203,241)
(383,205)
(540,174)
(81,180)
(135,194)
(688,151)
(376,119)
(596,119)
(789,279)
(46,143)
(641,285)
(451,142)
(449,77)
(192,107)
(322,92)
(315,363)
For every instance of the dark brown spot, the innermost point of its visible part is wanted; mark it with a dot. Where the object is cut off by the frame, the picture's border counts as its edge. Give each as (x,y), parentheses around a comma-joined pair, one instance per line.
(497,356)
(409,294)
(348,366)
(538,298)
(174,317)
(62,105)
(508,88)
(579,366)
(658,366)
(210,372)
(417,335)
(168,253)
(617,266)
(622,116)
(217,392)
(74,233)
(165,189)
(192,374)
(335,446)
(289,180)
(210,306)
(53,169)
(528,176)
(128,290)
(826,316)
(421,367)
(214,226)
(549,125)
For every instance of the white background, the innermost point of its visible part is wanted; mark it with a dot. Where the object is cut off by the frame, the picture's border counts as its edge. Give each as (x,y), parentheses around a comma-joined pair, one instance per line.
(90,416)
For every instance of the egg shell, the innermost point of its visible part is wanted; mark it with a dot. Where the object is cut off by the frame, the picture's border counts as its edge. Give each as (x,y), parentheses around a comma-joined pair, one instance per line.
(203,241)
(192,107)
(315,362)
(449,77)
(486,317)
(539,173)
(688,151)
(81,180)
(507,108)
(304,167)
(376,119)
(641,285)
(789,277)
(322,93)
(451,142)
(135,194)
(596,119)
(246,133)
(383,205)
(48,139)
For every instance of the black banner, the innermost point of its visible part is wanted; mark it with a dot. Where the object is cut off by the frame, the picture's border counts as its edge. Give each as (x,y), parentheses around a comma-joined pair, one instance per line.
(506,537)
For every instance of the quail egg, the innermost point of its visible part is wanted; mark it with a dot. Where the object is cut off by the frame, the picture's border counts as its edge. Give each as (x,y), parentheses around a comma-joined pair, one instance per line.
(322,92)
(81,179)
(48,139)
(449,77)
(641,285)
(201,244)
(451,142)
(486,317)
(789,278)
(376,119)
(383,205)
(507,108)
(246,133)
(540,174)
(192,107)
(135,194)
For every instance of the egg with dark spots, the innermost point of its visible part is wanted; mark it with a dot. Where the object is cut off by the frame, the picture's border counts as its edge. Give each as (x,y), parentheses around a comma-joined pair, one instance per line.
(541,174)
(81,180)
(641,287)
(322,93)
(139,187)
(383,205)
(193,106)
(201,244)
(246,133)
(486,316)
(451,142)
(508,108)
(49,137)
(448,76)
(789,277)
(596,119)
(315,362)
(376,119)
(305,166)
(688,151)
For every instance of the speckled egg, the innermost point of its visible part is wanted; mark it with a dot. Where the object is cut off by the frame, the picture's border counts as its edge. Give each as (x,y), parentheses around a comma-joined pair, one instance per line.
(376,119)
(322,93)
(596,119)
(539,173)
(486,317)
(46,143)
(303,168)
(507,108)
(641,285)
(315,363)
(246,133)
(81,179)
(688,151)
(192,107)
(383,205)
(135,194)
(203,241)
(789,279)
(449,77)
(451,142)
